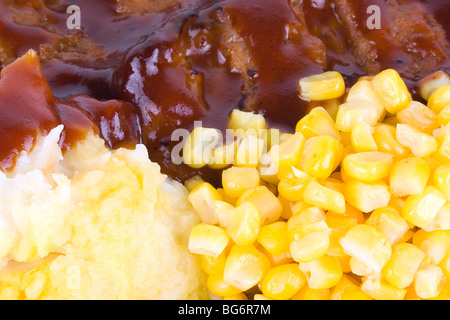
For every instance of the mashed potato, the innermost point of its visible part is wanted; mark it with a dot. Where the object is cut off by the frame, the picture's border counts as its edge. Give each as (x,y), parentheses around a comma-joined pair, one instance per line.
(95,224)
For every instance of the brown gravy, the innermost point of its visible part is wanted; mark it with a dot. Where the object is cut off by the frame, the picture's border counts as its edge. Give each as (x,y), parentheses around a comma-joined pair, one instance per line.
(134,78)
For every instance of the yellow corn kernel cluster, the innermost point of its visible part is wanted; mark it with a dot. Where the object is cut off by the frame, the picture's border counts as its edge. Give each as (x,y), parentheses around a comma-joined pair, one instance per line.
(353,205)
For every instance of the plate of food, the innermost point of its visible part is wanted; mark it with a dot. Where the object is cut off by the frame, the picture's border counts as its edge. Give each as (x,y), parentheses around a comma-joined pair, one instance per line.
(223,149)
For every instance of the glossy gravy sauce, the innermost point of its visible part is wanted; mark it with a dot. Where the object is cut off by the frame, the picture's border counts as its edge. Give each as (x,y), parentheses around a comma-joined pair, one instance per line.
(141,76)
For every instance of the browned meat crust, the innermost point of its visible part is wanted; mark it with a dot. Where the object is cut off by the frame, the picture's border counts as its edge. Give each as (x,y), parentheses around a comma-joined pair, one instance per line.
(410,38)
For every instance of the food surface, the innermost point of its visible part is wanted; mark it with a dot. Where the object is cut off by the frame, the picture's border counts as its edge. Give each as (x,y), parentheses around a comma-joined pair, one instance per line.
(203,149)
(352,205)
(179,61)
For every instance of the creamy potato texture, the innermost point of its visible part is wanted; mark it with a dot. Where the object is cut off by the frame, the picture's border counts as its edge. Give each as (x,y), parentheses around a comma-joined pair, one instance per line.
(95,224)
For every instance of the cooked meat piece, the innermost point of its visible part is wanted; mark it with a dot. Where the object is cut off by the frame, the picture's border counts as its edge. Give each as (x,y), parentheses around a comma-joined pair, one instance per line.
(410,39)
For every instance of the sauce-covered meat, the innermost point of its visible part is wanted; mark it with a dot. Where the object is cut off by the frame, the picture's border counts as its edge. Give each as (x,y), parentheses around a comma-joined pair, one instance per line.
(138,70)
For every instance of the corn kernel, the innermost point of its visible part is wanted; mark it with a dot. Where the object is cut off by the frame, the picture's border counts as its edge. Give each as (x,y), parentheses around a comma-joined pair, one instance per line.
(368,166)
(245,267)
(344,177)
(325,86)
(236,180)
(224,212)
(326,198)
(336,233)
(441,221)
(202,198)
(402,267)
(283,258)
(307,293)
(283,282)
(219,287)
(443,118)
(351,113)
(434,164)
(435,244)
(243,224)
(246,120)
(362,92)
(267,203)
(409,176)
(287,207)
(352,213)
(239,297)
(429,282)
(379,289)
(445,265)
(419,116)
(442,135)
(308,220)
(444,294)
(249,152)
(396,203)
(391,90)
(223,155)
(285,173)
(431,82)
(284,136)
(332,183)
(385,137)
(207,239)
(191,183)
(310,247)
(359,268)
(288,153)
(299,206)
(198,147)
(368,245)
(420,143)
(268,170)
(356,295)
(214,265)
(271,137)
(421,209)
(331,106)
(362,138)
(439,99)
(348,289)
(367,196)
(274,238)
(293,189)
(317,122)
(322,273)
(339,225)
(441,179)
(389,222)
(321,155)
(225,197)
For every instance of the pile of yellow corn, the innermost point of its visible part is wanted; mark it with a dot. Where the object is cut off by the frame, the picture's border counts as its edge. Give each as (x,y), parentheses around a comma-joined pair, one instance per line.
(353,205)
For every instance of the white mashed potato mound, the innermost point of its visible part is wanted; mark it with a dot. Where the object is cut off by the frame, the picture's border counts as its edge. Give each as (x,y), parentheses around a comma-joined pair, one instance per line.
(96,224)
